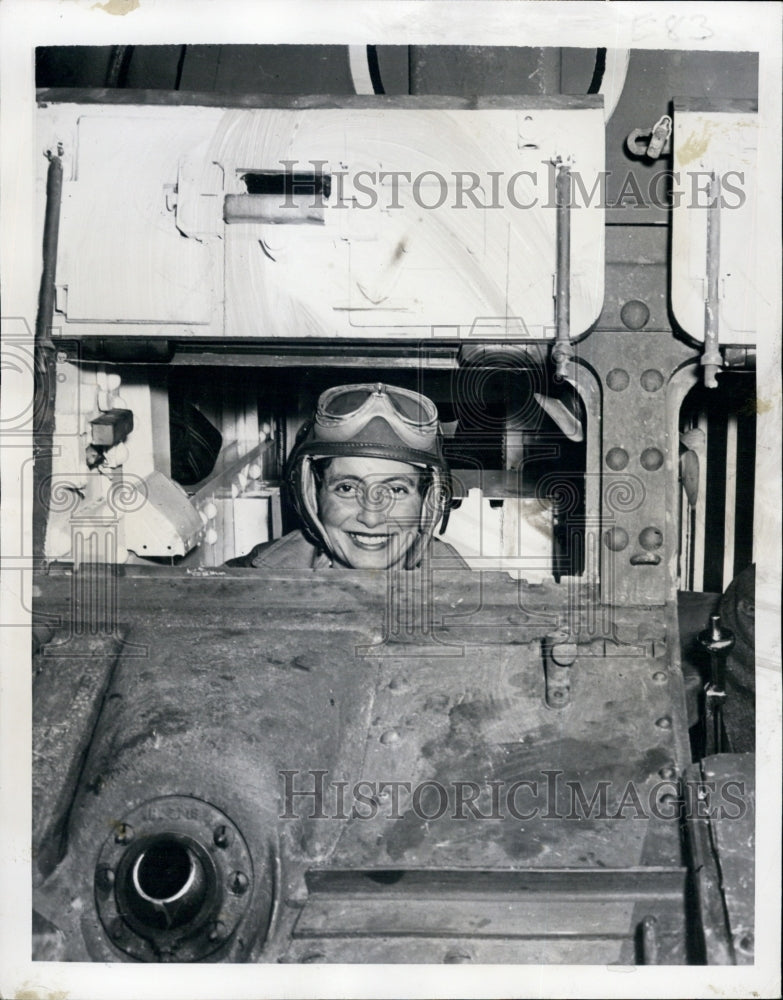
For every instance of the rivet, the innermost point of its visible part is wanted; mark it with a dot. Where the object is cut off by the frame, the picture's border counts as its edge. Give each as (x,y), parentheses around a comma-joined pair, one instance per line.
(651,459)
(746,942)
(616,539)
(618,379)
(635,314)
(104,878)
(117,929)
(660,677)
(667,772)
(221,836)
(398,683)
(617,459)
(650,538)
(651,380)
(238,883)
(217,931)
(664,722)
(123,833)
(390,737)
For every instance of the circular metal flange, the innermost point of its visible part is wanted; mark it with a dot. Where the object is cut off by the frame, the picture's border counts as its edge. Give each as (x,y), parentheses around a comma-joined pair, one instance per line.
(168,892)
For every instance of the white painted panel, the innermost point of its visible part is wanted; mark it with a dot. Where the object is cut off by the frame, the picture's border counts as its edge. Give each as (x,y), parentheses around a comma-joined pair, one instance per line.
(515,537)
(122,258)
(725,144)
(142,237)
(412,254)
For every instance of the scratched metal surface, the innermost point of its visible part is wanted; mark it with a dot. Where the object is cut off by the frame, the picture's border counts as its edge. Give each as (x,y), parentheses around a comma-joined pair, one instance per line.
(731,781)
(481,717)
(226,679)
(70,674)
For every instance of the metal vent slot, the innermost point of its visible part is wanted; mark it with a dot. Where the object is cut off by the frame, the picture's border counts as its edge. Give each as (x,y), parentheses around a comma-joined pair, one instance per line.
(280,197)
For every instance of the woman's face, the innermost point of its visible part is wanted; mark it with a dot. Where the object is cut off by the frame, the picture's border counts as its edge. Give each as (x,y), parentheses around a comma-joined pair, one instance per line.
(371,510)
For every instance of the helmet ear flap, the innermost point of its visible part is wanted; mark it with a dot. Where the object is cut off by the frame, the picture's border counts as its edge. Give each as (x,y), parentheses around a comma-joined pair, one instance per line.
(433,509)
(308,498)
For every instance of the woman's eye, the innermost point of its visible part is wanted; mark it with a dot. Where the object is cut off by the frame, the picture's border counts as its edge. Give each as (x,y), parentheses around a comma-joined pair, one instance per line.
(345,489)
(399,491)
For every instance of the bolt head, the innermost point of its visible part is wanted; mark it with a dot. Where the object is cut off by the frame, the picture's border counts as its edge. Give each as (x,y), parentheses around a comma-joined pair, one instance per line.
(217,931)
(104,878)
(222,836)
(123,833)
(238,883)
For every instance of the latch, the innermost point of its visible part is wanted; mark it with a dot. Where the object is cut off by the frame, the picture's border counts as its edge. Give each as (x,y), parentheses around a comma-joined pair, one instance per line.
(651,143)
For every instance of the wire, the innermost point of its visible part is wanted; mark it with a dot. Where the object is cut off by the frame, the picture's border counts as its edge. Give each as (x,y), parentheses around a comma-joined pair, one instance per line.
(365,69)
(598,72)
(375,69)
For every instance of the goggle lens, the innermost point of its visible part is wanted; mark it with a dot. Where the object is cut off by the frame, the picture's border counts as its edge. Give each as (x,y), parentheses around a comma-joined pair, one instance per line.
(350,400)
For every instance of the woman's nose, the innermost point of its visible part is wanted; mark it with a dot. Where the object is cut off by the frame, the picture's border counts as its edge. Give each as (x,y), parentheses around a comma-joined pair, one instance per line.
(371,515)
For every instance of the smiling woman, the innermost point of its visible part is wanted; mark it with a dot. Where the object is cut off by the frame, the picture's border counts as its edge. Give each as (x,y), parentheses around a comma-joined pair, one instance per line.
(369,482)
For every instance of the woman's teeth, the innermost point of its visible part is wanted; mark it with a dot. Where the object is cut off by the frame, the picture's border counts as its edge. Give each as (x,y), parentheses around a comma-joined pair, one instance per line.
(369,541)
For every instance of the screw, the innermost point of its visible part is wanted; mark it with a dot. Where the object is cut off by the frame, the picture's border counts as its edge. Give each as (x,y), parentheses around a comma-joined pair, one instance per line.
(238,883)
(104,878)
(221,836)
(123,833)
(390,737)
(664,722)
(217,931)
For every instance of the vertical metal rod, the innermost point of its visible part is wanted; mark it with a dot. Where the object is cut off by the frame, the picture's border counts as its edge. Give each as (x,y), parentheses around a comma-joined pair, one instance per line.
(718,642)
(43,411)
(711,358)
(562,351)
(650,946)
(717,678)
(51,233)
